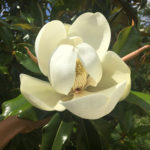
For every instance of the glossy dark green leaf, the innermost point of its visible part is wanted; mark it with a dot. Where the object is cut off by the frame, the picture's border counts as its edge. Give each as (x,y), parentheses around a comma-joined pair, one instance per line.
(82,140)
(124,114)
(140,99)
(63,134)
(26,61)
(103,128)
(28,141)
(15,106)
(87,137)
(49,132)
(128,40)
(21,107)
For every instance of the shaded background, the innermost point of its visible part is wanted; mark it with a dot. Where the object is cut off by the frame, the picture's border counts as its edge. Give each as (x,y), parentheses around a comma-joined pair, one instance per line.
(127,127)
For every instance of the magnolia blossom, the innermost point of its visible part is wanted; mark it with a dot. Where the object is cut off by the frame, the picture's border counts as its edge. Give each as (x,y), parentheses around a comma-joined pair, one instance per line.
(84,77)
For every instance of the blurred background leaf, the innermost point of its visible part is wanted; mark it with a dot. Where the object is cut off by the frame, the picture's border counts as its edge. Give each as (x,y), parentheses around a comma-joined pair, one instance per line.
(128,40)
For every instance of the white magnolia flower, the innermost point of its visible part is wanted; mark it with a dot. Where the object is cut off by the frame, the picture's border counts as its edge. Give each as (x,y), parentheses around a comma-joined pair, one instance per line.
(85,78)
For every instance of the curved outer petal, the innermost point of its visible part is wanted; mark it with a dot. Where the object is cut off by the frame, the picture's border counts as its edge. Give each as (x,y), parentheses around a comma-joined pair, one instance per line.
(96,105)
(62,68)
(40,94)
(90,61)
(94,29)
(114,71)
(46,42)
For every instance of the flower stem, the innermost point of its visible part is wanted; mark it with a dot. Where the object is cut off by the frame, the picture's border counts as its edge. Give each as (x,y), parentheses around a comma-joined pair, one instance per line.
(125,58)
(31,55)
(135,53)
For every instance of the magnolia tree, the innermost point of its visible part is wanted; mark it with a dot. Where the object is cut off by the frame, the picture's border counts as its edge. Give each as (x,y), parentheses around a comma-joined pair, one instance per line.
(66,75)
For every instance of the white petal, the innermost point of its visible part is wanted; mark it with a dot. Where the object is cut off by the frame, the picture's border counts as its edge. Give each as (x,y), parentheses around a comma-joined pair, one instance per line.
(115,93)
(62,68)
(47,40)
(95,105)
(94,29)
(90,61)
(73,40)
(114,71)
(91,106)
(67,26)
(40,94)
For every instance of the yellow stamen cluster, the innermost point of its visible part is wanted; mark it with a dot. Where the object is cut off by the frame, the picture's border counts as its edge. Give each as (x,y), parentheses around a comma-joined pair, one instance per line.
(81,77)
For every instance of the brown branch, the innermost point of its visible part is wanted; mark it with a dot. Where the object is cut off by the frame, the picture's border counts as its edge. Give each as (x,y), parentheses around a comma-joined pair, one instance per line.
(135,53)
(31,55)
(125,58)
(13,125)
(133,23)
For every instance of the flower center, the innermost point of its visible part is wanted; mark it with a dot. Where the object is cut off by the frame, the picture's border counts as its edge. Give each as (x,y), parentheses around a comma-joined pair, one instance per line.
(80,79)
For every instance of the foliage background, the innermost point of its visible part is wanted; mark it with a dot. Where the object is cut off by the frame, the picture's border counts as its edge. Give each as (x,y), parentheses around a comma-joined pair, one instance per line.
(127,127)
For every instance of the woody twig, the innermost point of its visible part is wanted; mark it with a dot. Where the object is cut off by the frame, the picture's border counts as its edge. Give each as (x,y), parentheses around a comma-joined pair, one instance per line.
(135,53)
(31,55)
(125,58)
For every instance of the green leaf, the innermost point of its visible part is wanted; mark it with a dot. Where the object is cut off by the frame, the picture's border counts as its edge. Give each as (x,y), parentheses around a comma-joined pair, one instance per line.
(115,12)
(87,137)
(82,141)
(103,128)
(29,141)
(140,99)
(128,40)
(21,107)
(6,36)
(49,132)
(24,26)
(62,135)
(127,122)
(4,23)
(104,7)
(4,82)
(4,69)
(5,58)
(141,130)
(26,61)
(124,114)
